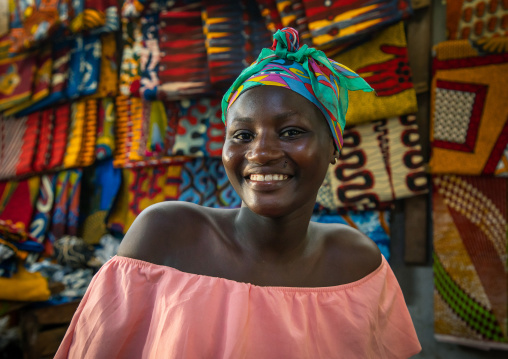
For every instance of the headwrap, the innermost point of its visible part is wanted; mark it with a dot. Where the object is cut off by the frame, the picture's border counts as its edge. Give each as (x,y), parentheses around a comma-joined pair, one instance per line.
(304,70)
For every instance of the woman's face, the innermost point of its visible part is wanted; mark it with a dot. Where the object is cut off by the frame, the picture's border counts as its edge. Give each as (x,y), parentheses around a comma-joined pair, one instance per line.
(278,147)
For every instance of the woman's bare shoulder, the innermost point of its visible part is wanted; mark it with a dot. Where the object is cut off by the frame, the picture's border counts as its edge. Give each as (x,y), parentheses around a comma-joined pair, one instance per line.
(349,251)
(163,228)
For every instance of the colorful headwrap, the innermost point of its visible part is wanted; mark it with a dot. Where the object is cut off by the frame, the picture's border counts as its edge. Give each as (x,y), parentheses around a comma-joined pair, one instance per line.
(304,70)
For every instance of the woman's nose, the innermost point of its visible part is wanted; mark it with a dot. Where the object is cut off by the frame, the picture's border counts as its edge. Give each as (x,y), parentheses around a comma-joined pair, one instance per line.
(264,149)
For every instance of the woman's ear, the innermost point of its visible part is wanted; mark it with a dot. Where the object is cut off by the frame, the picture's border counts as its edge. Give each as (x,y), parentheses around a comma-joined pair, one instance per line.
(334,156)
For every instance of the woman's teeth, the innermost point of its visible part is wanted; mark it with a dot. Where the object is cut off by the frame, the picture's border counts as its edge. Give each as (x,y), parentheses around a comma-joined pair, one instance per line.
(273,177)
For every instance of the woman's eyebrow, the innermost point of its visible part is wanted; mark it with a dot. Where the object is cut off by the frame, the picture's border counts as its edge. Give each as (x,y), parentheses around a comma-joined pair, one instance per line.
(284,115)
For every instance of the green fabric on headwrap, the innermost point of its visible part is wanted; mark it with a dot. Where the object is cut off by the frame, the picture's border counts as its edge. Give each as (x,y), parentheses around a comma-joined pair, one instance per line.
(304,70)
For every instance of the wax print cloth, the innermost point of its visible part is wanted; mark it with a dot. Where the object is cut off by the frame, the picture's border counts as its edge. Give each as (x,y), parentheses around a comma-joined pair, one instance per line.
(29,144)
(270,14)
(12,131)
(65,216)
(17,200)
(380,161)
(382,62)
(16,77)
(204,182)
(483,22)
(75,134)
(140,188)
(292,14)
(183,69)
(470,297)
(150,57)
(128,130)
(87,151)
(101,16)
(105,145)
(469,128)
(102,182)
(108,77)
(41,220)
(130,72)
(345,21)
(374,224)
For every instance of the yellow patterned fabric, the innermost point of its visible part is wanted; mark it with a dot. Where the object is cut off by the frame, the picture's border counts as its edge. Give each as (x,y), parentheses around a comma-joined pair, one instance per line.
(87,153)
(142,187)
(469,129)
(76,134)
(384,64)
(108,78)
(24,286)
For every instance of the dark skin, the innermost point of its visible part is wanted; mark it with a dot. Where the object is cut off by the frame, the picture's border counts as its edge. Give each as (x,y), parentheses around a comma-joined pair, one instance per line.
(270,240)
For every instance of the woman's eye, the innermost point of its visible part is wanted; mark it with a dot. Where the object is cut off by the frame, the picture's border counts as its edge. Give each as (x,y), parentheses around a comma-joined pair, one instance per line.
(291,133)
(243,136)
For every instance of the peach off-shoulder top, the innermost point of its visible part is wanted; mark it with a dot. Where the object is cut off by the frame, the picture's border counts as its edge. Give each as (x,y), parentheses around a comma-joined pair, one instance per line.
(136,309)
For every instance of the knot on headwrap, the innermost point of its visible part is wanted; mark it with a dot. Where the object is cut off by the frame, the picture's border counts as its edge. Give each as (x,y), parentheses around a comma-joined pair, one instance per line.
(304,70)
(287,38)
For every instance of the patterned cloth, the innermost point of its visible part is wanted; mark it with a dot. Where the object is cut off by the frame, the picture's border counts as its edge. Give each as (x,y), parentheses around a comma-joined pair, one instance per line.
(16,77)
(140,188)
(130,72)
(306,71)
(470,300)
(483,22)
(469,127)
(43,210)
(17,199)
(183,63)
(105,145)
(383,62)
(374,224)
(204,182)
(102,182)
(332,22)
(380,161)
(12,132)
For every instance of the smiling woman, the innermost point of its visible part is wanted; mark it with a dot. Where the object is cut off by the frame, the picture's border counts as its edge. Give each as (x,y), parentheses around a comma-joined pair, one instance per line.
(261,281)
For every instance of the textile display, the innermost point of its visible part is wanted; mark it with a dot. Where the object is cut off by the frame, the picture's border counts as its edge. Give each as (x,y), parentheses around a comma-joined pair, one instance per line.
(183,63)
(140,188)
(130,72)
(75,134)
(292,14)
(483,22)
(204,182)
(271,15)
(16,77)
(17,200)
(380,161)
(470,296)
(102,182)
(105,145)
(12,131)
(24,286)
(150,57)
(29,143)
(374,224)
(128,130)
(383,62)
(43,210)
(64,219)
(108,76)
(469,128)
(337,22)
(87,153)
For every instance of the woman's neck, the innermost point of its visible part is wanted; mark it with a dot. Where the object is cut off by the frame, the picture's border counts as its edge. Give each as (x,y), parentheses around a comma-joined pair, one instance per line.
(272,239)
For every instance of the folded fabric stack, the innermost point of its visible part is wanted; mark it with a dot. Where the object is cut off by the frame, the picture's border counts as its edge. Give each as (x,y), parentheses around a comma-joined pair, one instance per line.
(469,140)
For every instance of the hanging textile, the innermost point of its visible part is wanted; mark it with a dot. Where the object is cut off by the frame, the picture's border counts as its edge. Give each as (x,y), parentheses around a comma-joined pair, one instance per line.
(29,145)
(183,69)
(105,129)
(150,57)
(469,128)
(43,210)
(17,200)
(374,224)
(383,62)
(16,77)
(108,77)
(380,161)
(103,182)
(470,300)
(12,131)
(100,16)
(484,23)
(336,22)
(140,188)
(204,182)
(130,73)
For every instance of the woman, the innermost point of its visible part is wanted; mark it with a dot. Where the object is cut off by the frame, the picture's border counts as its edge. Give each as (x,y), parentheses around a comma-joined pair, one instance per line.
(261,281)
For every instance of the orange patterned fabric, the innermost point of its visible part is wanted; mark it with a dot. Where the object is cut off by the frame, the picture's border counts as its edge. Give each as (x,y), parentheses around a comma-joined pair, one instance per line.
(470,300)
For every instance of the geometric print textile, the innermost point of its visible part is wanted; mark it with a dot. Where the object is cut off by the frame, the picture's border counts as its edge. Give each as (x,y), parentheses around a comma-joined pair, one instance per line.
(469,116)
(383,62)
(380,161)
(470,277)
